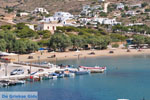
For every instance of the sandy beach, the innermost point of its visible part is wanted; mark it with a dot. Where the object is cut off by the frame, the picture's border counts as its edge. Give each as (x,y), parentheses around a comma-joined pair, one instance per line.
(46,56)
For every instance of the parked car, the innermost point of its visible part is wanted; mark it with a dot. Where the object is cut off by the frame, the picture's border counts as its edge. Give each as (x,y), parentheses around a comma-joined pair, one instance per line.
(30,57)
(92,53)
(111,51)
(17,72)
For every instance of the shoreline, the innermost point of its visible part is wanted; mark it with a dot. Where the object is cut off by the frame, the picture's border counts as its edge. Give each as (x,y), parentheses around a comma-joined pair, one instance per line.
(45,56)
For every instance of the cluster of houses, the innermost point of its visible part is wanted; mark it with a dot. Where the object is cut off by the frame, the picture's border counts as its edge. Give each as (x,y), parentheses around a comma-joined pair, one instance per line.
(88,15)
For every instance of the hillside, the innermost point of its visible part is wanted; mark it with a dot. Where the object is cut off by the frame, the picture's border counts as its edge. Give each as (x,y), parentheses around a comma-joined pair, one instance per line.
(73,6)
(50,5)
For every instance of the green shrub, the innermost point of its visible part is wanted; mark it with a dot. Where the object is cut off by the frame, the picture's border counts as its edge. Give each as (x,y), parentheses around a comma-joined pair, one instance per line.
(115,45)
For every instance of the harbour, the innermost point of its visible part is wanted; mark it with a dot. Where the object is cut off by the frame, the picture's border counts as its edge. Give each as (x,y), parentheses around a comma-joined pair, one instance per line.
(121,80)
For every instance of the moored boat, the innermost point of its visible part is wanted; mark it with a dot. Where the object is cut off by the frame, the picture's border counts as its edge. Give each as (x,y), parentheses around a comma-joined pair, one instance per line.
(82,71)
(95,69)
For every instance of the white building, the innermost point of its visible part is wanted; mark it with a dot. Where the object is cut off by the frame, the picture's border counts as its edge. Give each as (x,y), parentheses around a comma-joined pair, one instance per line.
(135,24)
(40,10)
(31,26)
(24,14)
(84,21)
(132,13)
(106,21)
(96,7)
(48,26)
(101,0)
(86,7)
(50,19)
(63,15)
(136,5)
(58,17)
(120,6)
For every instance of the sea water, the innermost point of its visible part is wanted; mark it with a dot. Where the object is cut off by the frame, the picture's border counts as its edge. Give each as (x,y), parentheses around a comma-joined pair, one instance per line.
(126,77)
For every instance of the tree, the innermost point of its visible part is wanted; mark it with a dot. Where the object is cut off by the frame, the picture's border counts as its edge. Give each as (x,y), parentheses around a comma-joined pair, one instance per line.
(25,46)
(31,46)
(20,46)
(106,42)
(6,27)
(24,31)
(59,41)
(10,40)
(144,4)
(147,40)
(117,37)
(93,41)
(138,40)
(46,35)
(2,45)
(43,43)
(77,41)
(126,8)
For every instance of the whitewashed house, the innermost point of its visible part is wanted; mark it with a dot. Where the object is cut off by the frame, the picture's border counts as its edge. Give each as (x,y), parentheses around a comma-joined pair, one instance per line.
(120,6)
(132,13)
(40,10)
(50,19)
(135,24)
(86,10)
(86,7)
(96,7)
(84,21)
(31,26)
(106,21)
(63,15)
(48,26)
(101,0)
(24,14)
(136,5)
(58,17)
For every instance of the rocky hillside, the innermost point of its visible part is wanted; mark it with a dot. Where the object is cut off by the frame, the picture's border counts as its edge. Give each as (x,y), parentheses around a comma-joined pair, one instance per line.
(55,5)
(50,5)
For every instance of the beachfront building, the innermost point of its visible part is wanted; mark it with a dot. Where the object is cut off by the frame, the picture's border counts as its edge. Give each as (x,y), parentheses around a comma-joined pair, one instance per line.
(120,6)
(48,26)
(40,10)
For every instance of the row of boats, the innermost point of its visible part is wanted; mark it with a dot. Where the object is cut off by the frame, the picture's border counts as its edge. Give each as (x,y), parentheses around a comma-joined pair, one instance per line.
(5,83)
(61,72)
(67,72)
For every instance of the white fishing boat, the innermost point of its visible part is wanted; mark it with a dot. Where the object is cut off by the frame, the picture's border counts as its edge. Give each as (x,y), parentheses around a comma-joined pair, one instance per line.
(95,69)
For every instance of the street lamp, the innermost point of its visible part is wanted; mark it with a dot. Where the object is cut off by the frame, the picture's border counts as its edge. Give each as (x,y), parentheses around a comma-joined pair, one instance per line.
(6,64)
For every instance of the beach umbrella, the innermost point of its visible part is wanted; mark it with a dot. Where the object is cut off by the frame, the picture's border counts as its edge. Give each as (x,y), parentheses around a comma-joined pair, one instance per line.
(12,54)
(77,50)
(4,54)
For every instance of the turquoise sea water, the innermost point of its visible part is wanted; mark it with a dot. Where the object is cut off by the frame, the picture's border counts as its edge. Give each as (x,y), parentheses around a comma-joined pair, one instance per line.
(126,77)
